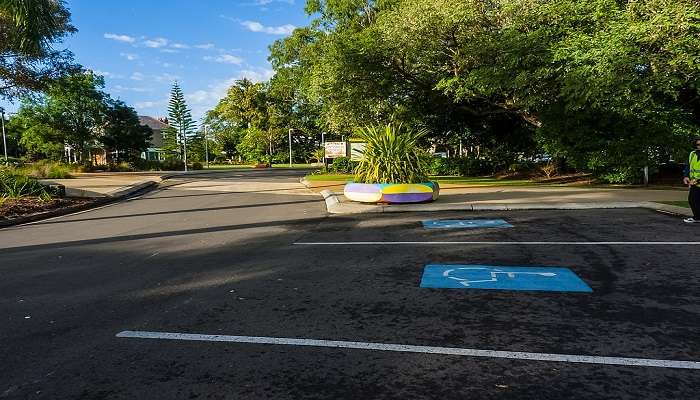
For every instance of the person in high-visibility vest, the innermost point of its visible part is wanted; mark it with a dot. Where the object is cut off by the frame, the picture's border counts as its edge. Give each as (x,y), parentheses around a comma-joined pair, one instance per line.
(692,179)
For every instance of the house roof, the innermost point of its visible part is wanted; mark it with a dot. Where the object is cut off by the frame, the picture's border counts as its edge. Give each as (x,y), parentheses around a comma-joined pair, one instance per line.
(152,123)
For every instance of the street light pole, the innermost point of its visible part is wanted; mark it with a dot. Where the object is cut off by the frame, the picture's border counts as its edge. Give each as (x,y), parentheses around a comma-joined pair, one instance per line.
(206,148)
(184,142)
(4,140)
(290,147)
(323,146)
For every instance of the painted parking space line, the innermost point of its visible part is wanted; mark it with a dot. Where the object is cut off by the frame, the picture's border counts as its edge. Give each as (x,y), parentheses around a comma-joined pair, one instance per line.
(489,277)
(465,223)
(492,243)
(405,348)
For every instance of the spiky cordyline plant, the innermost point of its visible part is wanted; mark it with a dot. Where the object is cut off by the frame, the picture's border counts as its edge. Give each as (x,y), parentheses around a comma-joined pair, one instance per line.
(391,155)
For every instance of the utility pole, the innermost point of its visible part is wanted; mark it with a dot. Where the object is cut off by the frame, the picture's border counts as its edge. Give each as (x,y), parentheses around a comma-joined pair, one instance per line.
(323,146)
(290,147)
(206,148)
(4,140)
(184,142)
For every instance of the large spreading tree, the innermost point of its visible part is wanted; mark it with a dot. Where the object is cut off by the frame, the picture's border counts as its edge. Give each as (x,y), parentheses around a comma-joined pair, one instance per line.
(608,85)
(28,32)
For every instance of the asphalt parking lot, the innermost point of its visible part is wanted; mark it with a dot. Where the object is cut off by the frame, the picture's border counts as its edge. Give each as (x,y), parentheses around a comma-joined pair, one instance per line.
(357,279)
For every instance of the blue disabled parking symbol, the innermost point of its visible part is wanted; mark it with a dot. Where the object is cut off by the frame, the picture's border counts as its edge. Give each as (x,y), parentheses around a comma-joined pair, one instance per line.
(465,223)
(548,279)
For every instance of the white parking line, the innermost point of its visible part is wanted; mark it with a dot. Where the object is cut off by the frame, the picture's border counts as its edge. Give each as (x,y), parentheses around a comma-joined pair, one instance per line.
(454,351)
(435,243)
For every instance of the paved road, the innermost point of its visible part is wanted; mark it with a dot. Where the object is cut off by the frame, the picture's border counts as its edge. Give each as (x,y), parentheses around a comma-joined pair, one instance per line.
(222,255)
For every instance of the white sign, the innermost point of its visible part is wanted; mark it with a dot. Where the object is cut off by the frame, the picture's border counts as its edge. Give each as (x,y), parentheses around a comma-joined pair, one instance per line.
(335,149)
(357,150)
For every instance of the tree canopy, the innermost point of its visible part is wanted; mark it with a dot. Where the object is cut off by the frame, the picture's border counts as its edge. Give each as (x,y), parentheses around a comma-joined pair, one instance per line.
(28,31)
(608,85)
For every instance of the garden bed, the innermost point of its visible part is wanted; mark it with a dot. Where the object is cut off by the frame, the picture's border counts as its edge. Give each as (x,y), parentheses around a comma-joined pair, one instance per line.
(11,209)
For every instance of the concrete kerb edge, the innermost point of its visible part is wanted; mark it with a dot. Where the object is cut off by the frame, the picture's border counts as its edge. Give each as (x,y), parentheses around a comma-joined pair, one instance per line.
(335,206)
(97,202)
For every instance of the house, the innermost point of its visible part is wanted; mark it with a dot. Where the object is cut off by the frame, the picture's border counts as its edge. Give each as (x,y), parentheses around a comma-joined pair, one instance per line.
(155,152)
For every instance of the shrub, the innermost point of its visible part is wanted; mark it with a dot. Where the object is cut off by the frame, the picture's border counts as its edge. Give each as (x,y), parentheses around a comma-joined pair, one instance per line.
(172,164)
(49,170)
(621,175)
(342,165)
(550,169)
(120,167)
(146,165)
(15,183)
(197,166)
(458,166)
(391,155)
(522,166)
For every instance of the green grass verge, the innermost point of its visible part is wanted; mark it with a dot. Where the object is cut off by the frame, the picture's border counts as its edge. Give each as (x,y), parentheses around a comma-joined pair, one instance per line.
(676,203)
(227,166)
(246,166)
(453,180)
(296,166)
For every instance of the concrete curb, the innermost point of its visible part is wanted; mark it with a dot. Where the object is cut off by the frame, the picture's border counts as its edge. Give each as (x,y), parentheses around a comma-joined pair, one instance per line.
(113,197)
(335,206)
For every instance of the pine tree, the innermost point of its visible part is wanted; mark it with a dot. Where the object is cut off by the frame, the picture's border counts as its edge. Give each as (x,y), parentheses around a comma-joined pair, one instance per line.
(180,120)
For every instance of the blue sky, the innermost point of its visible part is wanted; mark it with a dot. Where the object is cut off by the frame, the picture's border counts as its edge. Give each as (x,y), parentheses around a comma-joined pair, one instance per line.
(141,47)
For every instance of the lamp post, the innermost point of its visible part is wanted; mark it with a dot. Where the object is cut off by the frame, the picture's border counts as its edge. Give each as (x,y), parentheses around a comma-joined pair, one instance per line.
(206,148)
(323,146)
(290,147)
(4,140)
(184,143)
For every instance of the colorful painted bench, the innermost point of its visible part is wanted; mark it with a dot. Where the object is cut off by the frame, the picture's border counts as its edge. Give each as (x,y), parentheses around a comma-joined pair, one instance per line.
(393,193)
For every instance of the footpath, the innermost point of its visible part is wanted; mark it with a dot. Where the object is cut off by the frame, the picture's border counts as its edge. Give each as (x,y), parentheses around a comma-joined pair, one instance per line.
(504,198)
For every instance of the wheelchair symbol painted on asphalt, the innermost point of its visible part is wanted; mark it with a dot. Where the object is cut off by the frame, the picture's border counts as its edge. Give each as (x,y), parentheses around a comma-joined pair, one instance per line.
(554,279)
(466,224)
(494,274)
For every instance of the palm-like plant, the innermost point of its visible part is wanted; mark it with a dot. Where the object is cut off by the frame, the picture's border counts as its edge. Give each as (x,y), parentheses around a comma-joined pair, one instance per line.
(391,155)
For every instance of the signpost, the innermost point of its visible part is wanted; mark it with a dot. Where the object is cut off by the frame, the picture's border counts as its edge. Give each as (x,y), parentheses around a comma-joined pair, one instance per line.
(335,149)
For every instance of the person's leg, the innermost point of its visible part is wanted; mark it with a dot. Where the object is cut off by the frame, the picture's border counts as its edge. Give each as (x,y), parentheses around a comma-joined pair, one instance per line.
(694,200)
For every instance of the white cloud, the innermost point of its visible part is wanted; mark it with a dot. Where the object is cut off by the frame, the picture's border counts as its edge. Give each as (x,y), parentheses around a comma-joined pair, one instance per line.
(268,2)
(166,77)
(136,76)
(255,26)
(120,38)
(257,75)
(129,56)
(205,46)
(120,88)
(179,46)
(156,43)
(169,51)
(106,74)
(146,104)
(224,59)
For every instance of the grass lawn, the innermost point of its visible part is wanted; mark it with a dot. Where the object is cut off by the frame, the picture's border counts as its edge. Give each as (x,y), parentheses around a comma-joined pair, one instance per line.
(676,203)
(453,180)
(228,166)
(245,166)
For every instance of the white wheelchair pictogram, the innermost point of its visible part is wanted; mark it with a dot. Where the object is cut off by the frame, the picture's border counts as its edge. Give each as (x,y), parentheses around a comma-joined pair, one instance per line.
(494,274)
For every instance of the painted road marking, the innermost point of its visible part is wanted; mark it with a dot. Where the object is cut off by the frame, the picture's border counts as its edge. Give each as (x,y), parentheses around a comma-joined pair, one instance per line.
(405,348)
(433,243)
(545,279)
(465,223)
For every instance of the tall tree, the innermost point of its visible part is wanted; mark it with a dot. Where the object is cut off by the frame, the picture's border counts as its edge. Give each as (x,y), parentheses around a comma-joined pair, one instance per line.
(28,30)
(123,134)
(610,85)
(180,120)
(250,108)
(71,112)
